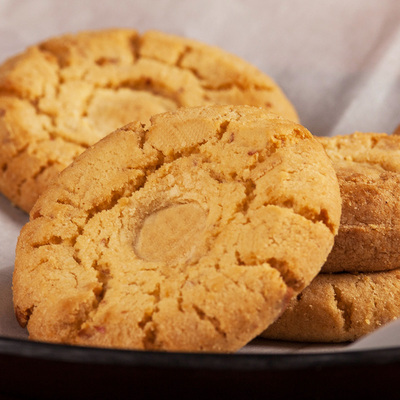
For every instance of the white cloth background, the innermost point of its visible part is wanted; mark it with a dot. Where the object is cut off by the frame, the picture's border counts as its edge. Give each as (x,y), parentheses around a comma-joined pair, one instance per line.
(338,61)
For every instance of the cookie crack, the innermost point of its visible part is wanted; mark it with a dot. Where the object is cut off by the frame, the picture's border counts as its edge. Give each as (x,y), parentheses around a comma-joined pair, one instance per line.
(136,44)
(204,79)
(194,71)
(42,169)
(24,316)
(179,61)
(344,308)
(186,282)
(203,316)
(19,152)
(147,324)
(286,272)
(115,197)
(103,277)
(195,148)
(314,216)
(249,191)
(52,240)
(317,217)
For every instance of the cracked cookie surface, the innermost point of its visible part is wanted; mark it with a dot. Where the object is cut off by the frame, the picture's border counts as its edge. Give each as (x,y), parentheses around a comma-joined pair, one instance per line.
(368,170)
(192,233)
(61,96)
(340,308)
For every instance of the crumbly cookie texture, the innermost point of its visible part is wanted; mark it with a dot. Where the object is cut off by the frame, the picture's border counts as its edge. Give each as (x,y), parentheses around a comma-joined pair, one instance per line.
(340,308)
(368,170)
(191,234)
(61,96)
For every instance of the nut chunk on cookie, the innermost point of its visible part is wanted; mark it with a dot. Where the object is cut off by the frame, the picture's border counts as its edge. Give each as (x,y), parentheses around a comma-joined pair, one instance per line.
(190,234)
(62,95)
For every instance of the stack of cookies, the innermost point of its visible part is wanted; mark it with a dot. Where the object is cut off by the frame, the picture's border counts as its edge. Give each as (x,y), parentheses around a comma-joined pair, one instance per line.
(175,201)
(358,288)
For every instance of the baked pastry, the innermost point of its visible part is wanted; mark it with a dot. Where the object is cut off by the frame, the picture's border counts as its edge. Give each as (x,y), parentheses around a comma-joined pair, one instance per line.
(358,288)
(368,170)
(63,95)
(190,234)
(340,307)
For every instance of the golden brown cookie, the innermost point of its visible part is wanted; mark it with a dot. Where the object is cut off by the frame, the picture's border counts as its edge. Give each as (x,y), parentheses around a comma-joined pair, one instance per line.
(340,307)
(61,96)
(368,170)
(191,234)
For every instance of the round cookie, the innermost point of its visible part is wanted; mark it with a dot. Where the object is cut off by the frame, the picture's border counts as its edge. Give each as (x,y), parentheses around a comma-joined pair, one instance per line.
(191,234)
(368,170)
(340,308)
(61,96)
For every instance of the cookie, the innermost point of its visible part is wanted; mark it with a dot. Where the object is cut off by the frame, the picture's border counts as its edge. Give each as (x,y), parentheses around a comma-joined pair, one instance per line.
(63,95)
(368,170)
(191,234)
(340,308)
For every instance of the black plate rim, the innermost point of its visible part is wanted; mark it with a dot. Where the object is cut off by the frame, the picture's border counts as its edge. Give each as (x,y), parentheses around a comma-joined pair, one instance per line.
(50,352)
